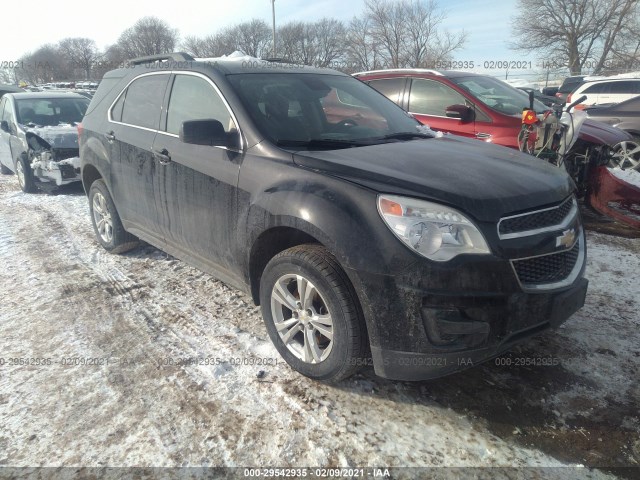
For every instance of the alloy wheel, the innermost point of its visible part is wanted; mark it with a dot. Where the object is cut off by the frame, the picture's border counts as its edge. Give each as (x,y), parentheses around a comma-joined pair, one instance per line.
(102,217)
(301,318)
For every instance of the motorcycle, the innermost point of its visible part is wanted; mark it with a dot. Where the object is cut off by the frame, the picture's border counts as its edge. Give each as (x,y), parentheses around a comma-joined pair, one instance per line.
(583,147)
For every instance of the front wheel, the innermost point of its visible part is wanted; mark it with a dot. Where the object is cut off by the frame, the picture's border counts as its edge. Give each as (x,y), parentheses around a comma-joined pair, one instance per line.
(106,221)
(25,176)
(312,314)
(626,155)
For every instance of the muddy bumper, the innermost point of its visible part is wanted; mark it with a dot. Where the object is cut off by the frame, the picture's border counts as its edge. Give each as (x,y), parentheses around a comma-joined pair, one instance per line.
(420,333)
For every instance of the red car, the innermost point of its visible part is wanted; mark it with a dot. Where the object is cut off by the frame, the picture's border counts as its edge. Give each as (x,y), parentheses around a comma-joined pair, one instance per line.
(469,104)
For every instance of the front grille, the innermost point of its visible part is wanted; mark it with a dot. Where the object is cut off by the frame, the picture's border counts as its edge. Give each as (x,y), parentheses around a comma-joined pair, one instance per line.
(547,268)
(536,220)
(64,153)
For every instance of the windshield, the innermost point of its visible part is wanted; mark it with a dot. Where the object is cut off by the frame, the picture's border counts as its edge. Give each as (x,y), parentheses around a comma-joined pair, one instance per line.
(498,95)
(50,111)
(310,111)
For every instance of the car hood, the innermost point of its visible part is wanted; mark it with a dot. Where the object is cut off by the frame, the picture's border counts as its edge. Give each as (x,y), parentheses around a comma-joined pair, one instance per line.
(602,133)
(59,136)
(483,180)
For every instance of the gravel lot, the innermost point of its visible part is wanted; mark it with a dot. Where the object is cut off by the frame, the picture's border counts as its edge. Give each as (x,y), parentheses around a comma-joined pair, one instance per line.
(175,358)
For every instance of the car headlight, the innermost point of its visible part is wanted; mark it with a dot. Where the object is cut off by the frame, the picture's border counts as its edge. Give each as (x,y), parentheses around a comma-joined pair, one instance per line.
(435,231)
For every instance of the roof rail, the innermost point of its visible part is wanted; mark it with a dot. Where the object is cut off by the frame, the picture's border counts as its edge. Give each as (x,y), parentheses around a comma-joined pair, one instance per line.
(400,70)
(175,56)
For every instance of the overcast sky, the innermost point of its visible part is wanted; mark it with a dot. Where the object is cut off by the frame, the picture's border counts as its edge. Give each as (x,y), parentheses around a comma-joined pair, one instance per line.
(488,22)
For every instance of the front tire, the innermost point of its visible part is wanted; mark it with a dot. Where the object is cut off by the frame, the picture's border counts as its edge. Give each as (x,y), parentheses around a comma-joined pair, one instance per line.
(25,176)
(312,314)
(106,221)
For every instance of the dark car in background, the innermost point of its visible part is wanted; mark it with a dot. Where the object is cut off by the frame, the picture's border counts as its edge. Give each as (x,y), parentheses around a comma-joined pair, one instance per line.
(39,138)
(364,239)
(626,116)
(4,88)
(548,100)
(469,104)
(569,84)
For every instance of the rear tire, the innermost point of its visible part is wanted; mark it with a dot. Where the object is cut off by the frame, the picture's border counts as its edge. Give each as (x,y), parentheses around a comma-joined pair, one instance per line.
(312,314)
(106,221)
(25,176)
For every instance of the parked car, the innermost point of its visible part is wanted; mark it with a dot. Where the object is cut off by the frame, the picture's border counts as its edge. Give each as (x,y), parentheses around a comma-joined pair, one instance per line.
(548,100)
(39,139)
(607,91)
(470,105)
(9,89)
(624,115)
(551,92)
(569,84)
(363,244)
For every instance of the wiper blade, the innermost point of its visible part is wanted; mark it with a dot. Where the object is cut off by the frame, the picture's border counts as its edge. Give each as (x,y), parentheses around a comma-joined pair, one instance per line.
(322,143)
(406,136)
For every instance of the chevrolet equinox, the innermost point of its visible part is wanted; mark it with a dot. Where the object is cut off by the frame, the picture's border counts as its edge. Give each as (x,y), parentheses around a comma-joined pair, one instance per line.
(364,237)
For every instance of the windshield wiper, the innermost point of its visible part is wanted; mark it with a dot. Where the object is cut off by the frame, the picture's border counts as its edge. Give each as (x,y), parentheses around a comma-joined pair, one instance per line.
(406,136)
(323,143)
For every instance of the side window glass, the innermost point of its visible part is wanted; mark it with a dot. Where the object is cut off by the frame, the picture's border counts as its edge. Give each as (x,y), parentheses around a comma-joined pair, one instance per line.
(116,111)
(623,87)
(597,88)
(193,98)
(144,101)
(390,87)
(429,97)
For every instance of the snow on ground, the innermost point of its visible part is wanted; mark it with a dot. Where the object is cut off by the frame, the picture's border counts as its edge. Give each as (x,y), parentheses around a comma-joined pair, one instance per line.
(629,176)
(176,356)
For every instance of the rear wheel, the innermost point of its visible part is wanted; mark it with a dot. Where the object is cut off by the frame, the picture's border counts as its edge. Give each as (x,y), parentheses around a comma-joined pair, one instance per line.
(25,176)
(106,221)
(312,315)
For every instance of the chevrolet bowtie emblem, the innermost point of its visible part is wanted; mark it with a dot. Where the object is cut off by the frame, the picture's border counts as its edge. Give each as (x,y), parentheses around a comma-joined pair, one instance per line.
(567,239)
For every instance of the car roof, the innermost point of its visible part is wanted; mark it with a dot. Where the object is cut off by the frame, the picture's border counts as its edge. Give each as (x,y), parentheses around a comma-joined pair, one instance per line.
(49,94)
(604,80)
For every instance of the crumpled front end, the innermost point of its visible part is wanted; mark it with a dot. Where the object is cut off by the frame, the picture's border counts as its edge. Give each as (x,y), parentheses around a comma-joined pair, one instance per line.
(54,155)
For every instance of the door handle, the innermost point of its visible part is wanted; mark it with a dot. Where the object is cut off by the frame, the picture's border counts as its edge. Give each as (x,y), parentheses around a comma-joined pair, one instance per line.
(162,156)
(483,135)
(110,136)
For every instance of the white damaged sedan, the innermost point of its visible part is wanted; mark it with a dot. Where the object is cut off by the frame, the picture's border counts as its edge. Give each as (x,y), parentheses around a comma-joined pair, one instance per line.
(39,139)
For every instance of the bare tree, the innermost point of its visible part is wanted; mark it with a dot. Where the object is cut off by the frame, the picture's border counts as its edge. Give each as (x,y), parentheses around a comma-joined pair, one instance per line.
(360,46)
(46,64)
(149,36)
(407,32)
(81,53)
(328,35)
(575,32)
(252,38)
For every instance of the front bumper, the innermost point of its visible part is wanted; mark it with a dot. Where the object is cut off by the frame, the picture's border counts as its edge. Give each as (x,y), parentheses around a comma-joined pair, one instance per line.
(466,341)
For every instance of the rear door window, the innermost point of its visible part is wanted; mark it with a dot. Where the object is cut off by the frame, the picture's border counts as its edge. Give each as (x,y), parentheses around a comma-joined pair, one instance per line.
(392,88)
(143,103)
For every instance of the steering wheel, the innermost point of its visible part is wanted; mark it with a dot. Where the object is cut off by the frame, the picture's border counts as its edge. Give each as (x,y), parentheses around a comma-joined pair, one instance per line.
(345,123)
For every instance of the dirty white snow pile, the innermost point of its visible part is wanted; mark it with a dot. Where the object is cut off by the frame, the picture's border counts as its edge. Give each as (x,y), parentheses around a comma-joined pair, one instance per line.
(141,360)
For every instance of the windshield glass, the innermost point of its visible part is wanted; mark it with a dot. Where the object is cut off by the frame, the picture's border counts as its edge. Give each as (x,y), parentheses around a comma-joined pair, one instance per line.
(50,111)
(308,110)
(498,95)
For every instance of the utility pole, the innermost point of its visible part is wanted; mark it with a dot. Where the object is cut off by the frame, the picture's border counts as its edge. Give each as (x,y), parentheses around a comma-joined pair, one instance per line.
(273,13)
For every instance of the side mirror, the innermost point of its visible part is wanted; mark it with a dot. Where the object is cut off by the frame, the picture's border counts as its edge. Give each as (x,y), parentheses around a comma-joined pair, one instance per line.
(461,112)
(207,132)
(4,126)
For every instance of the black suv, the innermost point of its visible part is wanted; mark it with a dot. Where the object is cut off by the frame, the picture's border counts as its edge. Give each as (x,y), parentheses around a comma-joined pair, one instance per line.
(365,238)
